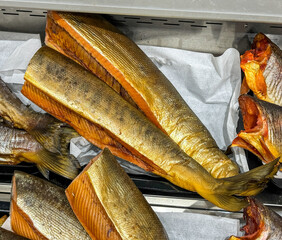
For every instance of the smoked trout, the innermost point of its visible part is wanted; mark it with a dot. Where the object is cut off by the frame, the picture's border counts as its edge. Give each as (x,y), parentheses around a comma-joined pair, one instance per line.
(261,223)
(263,128)
(262,66)
(105,51)
(17,145)
(109,205)
(40,210)
(74,95)
(43,127)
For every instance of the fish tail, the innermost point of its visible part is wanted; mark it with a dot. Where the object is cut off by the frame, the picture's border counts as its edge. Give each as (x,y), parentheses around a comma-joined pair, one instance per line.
(230,193)
(64,165)
(48,135)
(252,182)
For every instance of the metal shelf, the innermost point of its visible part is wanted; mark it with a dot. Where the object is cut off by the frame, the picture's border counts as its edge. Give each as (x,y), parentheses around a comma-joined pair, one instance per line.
(241,10)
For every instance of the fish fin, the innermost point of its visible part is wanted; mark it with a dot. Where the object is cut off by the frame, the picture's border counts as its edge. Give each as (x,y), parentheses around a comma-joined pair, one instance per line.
(3,219)
(222,200)
(230,193)
(48,135)
(45,172)
(252,182)
(244,87)
(63,165)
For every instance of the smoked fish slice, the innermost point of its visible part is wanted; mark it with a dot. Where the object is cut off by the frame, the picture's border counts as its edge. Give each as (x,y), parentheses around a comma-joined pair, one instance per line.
(109,205)
(40,210)
(17,145)
(262,66)
(261,223)
(104,50)
(263,128)
(43,127)
(74,95)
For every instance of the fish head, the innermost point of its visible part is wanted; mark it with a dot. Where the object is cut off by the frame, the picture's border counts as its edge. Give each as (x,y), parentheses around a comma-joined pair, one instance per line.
(255,137)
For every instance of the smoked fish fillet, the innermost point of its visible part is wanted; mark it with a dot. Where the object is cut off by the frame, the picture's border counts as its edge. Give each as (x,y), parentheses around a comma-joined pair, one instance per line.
(74,95)
(101,48)
(40,210)
(109,205)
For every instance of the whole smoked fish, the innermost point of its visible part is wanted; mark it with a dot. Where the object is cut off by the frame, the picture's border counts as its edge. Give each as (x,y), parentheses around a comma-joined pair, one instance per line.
(52,134)
(17,145)
(104,50)
(40,210)
(109,205)
(263,128)
(262,66)
(43,127)
(74,95)
(261,223)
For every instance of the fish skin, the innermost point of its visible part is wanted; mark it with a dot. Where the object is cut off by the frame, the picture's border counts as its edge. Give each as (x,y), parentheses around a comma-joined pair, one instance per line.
(262,66)
(40,210)
(7,235)
(74,95)
(261,223)
(18,145)
(129,214)
(43,127)
(103,49)
(263,128)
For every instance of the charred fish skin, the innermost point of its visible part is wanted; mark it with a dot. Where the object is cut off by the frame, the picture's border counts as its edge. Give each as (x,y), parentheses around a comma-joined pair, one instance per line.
(74,95)
(17,145)
(103,49)
(263,128)
(130,216)
(40,210)
(262,66)
(261,222)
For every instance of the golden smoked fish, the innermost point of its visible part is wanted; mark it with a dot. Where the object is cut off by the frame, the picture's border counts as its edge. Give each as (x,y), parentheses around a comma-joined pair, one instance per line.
(262,66)
(104,50)
(40,210)
(74,95)
(43,127)
(263,128)
(119,211)
(17,145)
(261,223)
(42,130)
